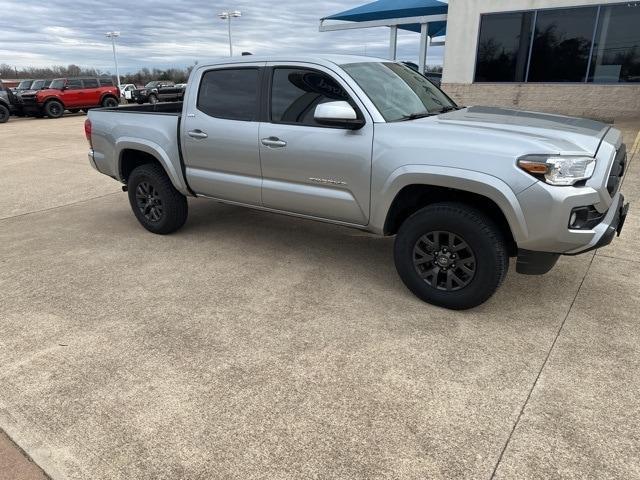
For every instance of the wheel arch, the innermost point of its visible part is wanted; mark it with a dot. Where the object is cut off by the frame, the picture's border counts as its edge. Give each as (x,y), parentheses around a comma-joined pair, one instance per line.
(413,187)
(132,154)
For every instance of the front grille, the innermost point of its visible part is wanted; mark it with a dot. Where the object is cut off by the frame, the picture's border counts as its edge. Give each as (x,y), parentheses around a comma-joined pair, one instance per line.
(617,170)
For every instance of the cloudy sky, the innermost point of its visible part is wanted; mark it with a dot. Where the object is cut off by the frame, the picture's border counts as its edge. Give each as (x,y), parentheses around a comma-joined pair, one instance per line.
(165,33)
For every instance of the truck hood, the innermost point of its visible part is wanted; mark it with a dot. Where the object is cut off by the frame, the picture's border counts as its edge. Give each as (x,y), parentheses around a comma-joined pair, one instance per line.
(569,135)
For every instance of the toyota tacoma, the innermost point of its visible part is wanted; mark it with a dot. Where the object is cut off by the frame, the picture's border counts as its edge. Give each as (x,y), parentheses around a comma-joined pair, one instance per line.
(373,145)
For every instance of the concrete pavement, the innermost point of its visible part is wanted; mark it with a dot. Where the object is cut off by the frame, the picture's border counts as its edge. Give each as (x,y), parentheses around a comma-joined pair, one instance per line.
(252,345)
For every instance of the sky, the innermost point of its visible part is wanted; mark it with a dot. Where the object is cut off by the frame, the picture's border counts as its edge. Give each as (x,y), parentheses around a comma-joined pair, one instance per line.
(177,33)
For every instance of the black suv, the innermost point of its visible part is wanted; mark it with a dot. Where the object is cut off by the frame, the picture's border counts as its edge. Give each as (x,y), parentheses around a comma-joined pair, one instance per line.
(6,103)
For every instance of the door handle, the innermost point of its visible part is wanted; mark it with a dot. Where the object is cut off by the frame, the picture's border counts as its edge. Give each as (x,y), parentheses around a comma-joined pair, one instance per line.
(197,134)
(273,142)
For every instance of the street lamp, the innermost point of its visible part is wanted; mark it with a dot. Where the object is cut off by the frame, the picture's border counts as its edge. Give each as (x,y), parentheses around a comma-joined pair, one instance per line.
(112,36)
(228,16)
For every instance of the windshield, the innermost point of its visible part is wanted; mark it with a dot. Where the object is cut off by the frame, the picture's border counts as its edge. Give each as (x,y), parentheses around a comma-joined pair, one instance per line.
(398,92)
(57,84)
(24,85)
(37,85)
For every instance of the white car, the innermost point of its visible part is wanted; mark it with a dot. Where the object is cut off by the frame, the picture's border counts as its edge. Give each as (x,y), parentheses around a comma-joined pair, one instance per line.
(126,91)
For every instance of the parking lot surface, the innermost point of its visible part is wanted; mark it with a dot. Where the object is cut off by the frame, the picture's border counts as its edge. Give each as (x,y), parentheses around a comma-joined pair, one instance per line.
(253,345)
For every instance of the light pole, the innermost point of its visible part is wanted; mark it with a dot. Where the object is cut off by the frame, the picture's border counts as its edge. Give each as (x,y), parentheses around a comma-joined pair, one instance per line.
(112,36)
(228,16)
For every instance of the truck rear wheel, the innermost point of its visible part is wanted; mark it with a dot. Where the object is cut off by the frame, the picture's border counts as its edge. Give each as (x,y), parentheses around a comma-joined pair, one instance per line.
(4,114)
(54,109)
(157,205)
(109,102)
(451,255)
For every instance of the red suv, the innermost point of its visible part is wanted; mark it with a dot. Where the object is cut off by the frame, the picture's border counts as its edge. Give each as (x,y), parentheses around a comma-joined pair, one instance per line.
(73,94)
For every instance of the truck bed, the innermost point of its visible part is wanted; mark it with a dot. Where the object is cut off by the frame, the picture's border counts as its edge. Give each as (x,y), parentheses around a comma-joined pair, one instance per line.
(152,129)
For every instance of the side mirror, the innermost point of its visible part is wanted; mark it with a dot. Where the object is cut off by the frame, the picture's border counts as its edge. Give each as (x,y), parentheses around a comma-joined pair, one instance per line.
(338,114)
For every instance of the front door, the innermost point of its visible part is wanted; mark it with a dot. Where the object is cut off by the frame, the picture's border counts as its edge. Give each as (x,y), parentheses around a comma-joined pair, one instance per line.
(307,168)
(220,134)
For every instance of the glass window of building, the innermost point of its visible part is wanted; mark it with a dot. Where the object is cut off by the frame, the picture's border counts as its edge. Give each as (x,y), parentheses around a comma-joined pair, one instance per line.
(616,51)
(562,44)
(503,47)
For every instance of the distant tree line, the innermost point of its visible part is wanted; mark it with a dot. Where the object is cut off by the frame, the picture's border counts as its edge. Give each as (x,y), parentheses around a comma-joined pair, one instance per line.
(142,76)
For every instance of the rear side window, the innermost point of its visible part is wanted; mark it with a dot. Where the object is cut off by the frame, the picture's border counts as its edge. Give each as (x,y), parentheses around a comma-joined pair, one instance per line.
(74,84)
(230,93)
(90,83)
(296,92)
(106,82)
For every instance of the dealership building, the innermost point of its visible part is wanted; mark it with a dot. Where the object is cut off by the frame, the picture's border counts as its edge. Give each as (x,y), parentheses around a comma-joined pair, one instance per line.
(577,57)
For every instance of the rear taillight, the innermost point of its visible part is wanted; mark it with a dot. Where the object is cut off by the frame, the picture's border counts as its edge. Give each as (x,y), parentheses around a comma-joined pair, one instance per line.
(87,131)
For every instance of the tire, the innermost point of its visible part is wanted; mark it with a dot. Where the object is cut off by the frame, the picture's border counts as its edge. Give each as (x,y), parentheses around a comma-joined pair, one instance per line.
(110,102)
(168,209)
(152,99)
(4,114)
(54,109)
(451,255)
(74,110)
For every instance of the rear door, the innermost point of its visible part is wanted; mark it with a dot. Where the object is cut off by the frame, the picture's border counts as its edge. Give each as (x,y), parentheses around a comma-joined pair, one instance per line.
(220,133)
(92,92)
(309,168)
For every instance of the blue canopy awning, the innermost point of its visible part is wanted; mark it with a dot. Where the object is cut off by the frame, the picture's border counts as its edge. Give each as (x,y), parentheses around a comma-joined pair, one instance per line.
(393,9)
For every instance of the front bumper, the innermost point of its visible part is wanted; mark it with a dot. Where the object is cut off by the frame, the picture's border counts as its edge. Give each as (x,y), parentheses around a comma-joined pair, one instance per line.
(609,228)
(538,263)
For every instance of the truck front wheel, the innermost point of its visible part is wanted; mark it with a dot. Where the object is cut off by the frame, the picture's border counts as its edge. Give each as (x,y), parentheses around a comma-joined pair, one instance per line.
(157,205)
(451,255)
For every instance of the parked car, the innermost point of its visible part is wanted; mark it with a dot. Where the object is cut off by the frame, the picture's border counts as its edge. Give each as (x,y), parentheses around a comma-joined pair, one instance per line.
(23,85)
(127,90)
(72,94)
(158,91)
(6,104)
(40,84)
(373,145)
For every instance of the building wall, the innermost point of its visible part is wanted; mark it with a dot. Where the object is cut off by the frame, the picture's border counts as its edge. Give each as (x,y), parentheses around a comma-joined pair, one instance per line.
(589,100)
(601,102)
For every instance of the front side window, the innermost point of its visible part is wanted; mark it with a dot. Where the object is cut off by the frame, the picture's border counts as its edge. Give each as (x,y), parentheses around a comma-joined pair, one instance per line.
(562,44)
(397,91)
(616,51)
(230,93)
(296,92)
(57,84)
(24,85)
(106,82)
(503,47)
(90,83)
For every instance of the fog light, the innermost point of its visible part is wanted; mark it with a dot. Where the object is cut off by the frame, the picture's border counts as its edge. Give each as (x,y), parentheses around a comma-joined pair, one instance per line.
(572,219)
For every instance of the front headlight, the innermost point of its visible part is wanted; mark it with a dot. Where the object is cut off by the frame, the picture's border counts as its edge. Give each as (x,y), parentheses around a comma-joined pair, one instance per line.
(558,169)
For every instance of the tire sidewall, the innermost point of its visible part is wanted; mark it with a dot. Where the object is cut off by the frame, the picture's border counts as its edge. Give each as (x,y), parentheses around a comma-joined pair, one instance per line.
(108,100)
(48,106)
(153,99)
(147,174)
(4,114)
(489,257)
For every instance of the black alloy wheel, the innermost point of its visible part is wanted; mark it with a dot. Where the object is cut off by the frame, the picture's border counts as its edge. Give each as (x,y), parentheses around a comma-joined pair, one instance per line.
(149,202)
(444,260)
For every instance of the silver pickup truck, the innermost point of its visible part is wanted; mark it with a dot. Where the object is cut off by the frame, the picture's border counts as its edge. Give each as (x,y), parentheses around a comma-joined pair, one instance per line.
(372,144)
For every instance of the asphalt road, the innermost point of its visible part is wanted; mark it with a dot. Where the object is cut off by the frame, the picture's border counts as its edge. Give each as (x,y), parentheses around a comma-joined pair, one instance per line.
(251,345)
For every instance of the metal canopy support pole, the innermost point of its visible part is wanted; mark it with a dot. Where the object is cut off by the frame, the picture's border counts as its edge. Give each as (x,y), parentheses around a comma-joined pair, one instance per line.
(393,42)
(424,41)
